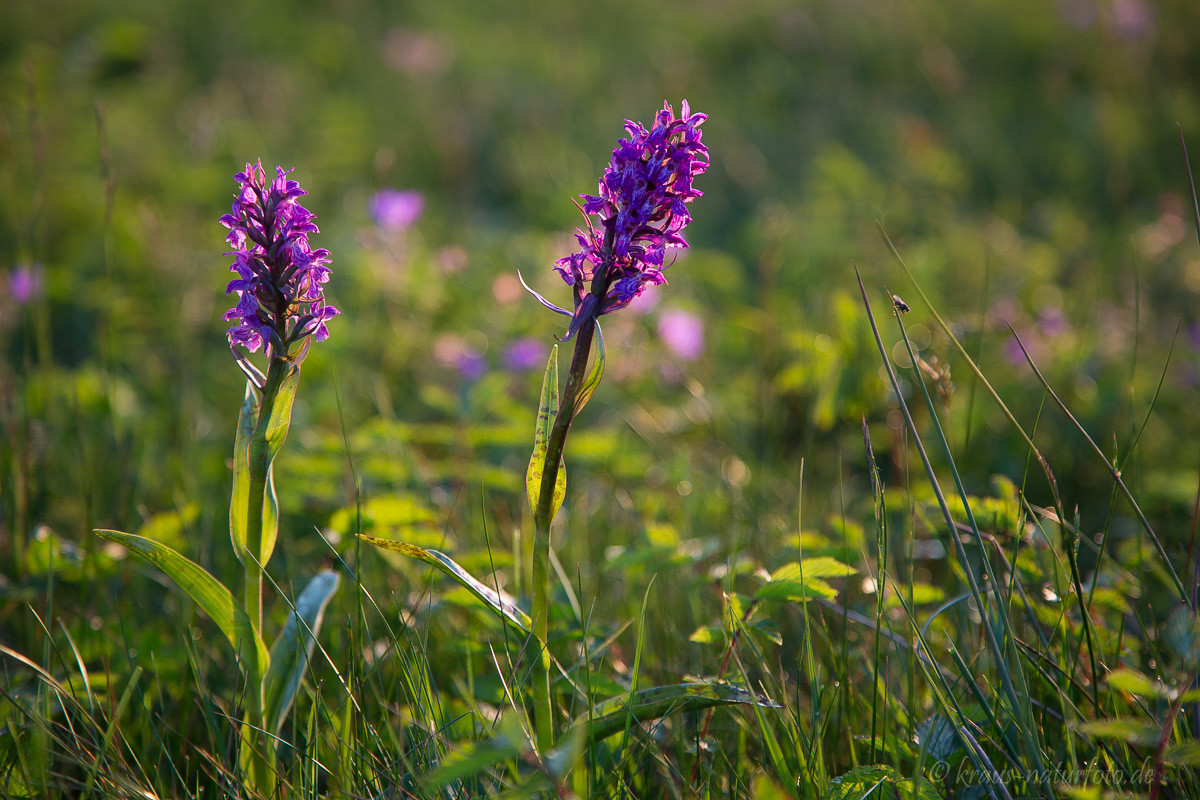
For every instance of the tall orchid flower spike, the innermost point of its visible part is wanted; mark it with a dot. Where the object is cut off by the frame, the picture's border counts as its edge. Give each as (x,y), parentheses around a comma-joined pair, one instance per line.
(637,219)
(630,229)
(279,304)
(280,275)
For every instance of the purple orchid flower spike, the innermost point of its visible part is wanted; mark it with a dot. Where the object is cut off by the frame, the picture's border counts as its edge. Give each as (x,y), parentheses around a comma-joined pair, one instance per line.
(280,275)
(637,218)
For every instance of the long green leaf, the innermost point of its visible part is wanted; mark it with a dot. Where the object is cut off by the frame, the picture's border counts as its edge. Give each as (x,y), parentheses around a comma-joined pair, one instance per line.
(270,432)
(270,517)
(239,503)
(610,717)
(207,591)
(274,429)
(547,411)
(291,652)
(507,610)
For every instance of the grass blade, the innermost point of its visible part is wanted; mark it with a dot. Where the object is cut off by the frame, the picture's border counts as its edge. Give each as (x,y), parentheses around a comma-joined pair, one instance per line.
(1137,509)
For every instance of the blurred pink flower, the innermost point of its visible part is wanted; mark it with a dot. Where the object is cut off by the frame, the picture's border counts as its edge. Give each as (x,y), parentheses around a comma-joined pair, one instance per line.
(1132,17)
(454,352)
(1051,321)
(414,52)
(394,210)
(471,365)
(644,303)
(683,334)
(1079,14)
(525,354)
(25,282)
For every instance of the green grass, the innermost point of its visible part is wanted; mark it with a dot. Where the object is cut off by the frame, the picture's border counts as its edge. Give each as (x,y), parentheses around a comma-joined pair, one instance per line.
(794,566)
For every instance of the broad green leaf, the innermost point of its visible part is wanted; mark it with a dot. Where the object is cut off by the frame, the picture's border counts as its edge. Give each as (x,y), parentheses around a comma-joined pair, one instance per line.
(588,388)
(207,591)
(803,581)
(389,516)
(938,737)
(1135,683)
(826,567)
(922,594)
(474,757)
(507,610)
(168,526)
(293,649)
(547,411)
(1125,730)
(1083,792)
(863,781)
(768,629)
(611,716)
(882,781)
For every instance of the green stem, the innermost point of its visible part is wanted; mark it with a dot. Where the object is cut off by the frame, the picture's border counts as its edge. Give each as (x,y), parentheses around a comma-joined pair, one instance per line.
(543,708)
(543,515)
(259,751)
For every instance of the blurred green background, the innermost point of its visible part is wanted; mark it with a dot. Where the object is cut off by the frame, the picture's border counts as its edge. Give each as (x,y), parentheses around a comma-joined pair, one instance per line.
(1023,155)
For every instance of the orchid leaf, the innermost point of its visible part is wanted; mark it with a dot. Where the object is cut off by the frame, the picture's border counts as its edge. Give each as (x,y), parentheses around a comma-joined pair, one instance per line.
(547,411)
(292,651)
(610,717)
(239,504)
(207,591)
(274,428)
(506,608)
(273,419)
(240,501)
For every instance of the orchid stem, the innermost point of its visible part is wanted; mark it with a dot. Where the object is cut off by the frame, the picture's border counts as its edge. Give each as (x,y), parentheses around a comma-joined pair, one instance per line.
(260,751)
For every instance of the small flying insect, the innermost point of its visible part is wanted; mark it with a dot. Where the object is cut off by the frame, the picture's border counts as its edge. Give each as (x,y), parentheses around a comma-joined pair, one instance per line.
(900,305)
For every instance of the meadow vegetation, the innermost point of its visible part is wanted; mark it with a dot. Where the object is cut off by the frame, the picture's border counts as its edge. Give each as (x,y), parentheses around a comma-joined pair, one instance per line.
(891,492)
